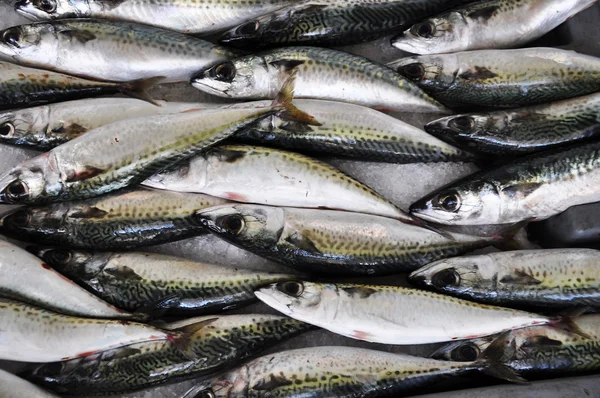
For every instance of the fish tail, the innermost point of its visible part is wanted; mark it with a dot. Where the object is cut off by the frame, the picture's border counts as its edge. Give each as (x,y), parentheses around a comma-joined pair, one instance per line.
(181,338)
(284,103)
(138,88)
(513,237)
(566,320)
(493,360)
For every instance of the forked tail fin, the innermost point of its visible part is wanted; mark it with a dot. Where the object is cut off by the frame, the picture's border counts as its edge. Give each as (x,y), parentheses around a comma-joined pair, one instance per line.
(493,361)
(137,88)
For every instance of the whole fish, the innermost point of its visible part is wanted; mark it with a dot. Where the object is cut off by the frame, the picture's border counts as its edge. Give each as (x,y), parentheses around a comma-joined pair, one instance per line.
(333,372)
(48,126)
(503,78)
(136,281)
(351,131)
(532,188)
(22,87)
(391,314)
(26,278)
(333,22)
(186,16)
(218,343)
(125,219)
(335,242)
(273,177)
(320,74)
(110,51)
(31,334)
(525,130)
(488,24)
(561,277)
(12,386)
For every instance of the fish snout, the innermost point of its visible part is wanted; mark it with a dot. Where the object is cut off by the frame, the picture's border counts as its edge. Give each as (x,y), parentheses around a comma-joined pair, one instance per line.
(417,279)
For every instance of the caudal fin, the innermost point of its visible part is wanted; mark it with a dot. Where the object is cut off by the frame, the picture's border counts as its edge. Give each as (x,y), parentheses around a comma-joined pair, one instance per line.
(137,88)
(493,360)
(567,320)
(183,338)
(284,100)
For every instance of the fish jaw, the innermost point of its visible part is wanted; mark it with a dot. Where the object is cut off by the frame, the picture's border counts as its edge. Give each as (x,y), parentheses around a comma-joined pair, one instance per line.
(33,9)
(275,300)
(444,34)
(203,82)
(27,9)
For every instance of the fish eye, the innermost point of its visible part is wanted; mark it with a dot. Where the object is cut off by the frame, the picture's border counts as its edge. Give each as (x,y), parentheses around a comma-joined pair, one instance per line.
(450,202)
(462,123)
(20,218)
(249,28)
(466,352)
(16,190)
(445,278)
(234,224)
(7,130)
(425,30)
(294,289)
(225,72)
(205,394)
(58,256)
(414,71)
(47,5)
(12,36)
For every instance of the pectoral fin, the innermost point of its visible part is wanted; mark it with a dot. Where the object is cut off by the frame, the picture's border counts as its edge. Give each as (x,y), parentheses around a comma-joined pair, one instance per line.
(80,36)
(521,190)
(520,278)
(84,174)
(123,272)
(271,383)
(302,242)
(88,212)
(286,65)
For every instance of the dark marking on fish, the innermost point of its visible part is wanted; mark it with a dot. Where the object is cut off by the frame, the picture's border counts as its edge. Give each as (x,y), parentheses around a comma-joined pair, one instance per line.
(538,341)
(303,243)
(72,129)
(46,266)
(360,292)
(79,35)
(286,65)
(520,278)
(230,156)
(88,172)
(123,272)
(522,190)
(483,14)
(478,73)
(274,381)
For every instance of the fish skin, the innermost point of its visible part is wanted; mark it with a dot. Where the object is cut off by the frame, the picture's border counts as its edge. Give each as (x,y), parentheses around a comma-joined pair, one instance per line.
(503,78)
(31,334)
(140,281)
(334,242)
(488,24)
(185,16)
(109,51)
(273,177)
(410,316)
(535,187)
(522,131)
(48,126)
(12,386)
(125,219)
(222,342)
(346,77)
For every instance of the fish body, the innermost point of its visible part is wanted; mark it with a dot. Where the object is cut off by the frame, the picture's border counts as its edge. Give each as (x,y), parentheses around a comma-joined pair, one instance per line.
(319,74)
(535,187)
(185,16)
(12,386)
(503,78)
(109,51)
(218,342)
(126,219)
(488,24)
(522,131)
(558,278)
(390,314)
(334,242)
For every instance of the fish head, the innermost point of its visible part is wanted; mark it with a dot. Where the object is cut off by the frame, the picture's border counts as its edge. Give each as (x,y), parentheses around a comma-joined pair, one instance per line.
(24,126)
(462,351)
(241,78)
(74,263)
(269,127)
(301,300)
(231,384)
(40,10)
(467,129)
(26,183)
(443,34)
(429,72)
(30,44)
(34,221)
(468,202)
(250,30)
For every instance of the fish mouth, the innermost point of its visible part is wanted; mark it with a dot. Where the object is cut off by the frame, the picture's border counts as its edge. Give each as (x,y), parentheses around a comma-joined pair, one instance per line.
(418,279)
(29,11)
(282,304)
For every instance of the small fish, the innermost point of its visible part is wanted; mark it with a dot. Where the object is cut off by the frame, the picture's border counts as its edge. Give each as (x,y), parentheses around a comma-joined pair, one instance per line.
(125,219)
(109,51)
(334,242)
(22,87)
(536,187)
(12,386)
(558,278)
(503,78)
(218,342)
(319,74)
(48,126)
(488,24)
(391,314)
(147,282)
(185,16)
(273,177)
(525,130)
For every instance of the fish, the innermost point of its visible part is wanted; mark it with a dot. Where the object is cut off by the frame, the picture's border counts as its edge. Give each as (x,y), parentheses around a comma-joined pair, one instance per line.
(219,343)
(336,22)
(187,16)
(122,220)
(333,242)
(147,282)
(33,334)
(109,51)
(12,386)
(337,371)
(522,131)
(552,278)
(351,131)
(22,87)
(532,188)
(391,314)
(488,24)
(26,278)
(48,126)
(503,78)
(251,174)
(319,74)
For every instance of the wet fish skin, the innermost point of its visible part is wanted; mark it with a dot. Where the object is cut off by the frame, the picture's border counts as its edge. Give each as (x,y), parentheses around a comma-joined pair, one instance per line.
(185,16)
(12,386)
(319,74)
(521,131)
(109,51)
(535,187)
(125,219)
(503,78)
(222,342)
(139,281)
(332,242)
(488,24)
